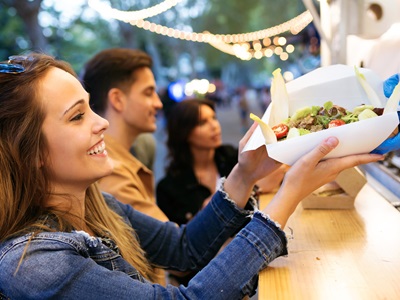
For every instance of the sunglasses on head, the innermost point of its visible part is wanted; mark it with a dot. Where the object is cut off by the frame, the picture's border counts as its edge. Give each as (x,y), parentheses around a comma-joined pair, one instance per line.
(13,66)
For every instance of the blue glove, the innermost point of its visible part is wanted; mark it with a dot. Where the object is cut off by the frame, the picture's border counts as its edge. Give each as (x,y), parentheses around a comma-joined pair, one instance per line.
(393,143)
(389,85)
(388,145)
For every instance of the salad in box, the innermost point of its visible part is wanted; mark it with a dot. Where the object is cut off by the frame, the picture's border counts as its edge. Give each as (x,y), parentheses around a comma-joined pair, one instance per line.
(338,100)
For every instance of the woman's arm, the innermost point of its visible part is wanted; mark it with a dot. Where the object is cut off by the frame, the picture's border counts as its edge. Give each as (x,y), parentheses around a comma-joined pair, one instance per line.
(61,269)
(191,246)
(57,268)
(304,176)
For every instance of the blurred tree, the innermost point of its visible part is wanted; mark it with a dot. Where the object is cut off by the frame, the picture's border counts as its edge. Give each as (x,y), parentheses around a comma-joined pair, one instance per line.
(229,17)
(43,25)
(12,37)
(28,11)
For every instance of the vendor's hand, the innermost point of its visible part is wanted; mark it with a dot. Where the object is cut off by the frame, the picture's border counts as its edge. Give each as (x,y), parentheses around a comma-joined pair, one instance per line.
(393,142)
(309,173)
(390,144)
(389,85)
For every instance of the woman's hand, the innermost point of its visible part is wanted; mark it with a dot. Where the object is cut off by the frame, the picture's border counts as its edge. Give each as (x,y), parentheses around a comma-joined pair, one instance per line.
(255,164)
(272,181)
(309,173)
(252,166)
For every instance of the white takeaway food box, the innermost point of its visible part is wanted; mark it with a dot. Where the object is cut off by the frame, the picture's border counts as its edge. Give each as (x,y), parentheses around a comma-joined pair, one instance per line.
(339,84)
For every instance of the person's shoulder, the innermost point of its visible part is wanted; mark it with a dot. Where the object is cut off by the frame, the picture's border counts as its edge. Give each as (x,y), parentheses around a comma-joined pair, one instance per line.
(23,260)
(40,242)
(114,204)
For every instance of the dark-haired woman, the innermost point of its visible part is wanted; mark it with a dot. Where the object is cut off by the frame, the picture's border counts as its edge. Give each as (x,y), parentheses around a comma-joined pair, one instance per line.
(197,161)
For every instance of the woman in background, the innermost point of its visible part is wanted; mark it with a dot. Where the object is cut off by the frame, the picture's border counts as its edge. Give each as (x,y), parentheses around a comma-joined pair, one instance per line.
(197,160)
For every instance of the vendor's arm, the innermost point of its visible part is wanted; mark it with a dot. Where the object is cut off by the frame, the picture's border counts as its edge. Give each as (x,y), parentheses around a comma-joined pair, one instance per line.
(393,142)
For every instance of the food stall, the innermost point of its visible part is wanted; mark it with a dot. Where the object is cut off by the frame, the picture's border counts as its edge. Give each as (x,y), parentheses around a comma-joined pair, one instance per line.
(365,34)
(348,252)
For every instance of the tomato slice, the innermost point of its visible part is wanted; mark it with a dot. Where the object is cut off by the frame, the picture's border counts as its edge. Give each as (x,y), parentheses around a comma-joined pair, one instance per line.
(336,123)
(280,130)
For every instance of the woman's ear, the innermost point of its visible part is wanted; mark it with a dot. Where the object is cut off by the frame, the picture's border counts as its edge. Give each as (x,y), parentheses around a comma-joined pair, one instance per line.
(116,99)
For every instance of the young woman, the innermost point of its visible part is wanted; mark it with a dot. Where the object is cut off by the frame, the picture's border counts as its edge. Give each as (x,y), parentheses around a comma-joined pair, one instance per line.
(197,160)
(61,238)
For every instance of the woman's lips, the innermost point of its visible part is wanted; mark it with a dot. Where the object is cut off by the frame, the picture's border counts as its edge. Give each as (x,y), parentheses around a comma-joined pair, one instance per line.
(99,148)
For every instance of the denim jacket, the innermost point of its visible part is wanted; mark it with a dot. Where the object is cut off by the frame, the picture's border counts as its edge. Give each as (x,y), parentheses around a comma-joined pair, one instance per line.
(74,265)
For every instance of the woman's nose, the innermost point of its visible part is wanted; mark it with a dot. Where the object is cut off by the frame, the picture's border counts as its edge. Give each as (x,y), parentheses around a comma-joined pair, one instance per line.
(100,124)
(215,124)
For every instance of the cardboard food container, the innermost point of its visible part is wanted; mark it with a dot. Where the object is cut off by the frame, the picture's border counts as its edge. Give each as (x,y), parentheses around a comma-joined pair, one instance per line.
(339,84)
(339,194)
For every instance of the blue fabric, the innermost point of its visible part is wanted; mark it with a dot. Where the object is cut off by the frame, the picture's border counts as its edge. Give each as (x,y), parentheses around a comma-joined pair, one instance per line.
(393,143)
(74,265)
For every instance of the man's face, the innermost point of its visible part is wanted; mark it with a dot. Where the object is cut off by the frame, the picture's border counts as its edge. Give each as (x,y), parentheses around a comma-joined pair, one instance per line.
(142,103)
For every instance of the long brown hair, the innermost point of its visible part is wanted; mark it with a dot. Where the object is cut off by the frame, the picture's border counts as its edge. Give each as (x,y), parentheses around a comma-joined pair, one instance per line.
(24,184)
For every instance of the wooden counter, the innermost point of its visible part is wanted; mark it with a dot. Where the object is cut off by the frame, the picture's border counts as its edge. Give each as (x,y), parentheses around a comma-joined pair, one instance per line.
(339,254)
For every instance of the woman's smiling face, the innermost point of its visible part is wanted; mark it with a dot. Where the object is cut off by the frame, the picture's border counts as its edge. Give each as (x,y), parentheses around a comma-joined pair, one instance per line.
(74,133)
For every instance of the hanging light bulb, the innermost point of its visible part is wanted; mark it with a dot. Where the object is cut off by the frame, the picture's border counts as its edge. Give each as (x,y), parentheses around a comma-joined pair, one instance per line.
(127,16)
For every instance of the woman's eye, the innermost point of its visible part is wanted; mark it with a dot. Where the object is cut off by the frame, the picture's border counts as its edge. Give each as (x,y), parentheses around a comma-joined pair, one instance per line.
(78,117)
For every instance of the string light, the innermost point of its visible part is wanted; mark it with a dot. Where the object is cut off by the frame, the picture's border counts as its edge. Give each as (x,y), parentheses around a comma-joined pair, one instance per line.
(265,47)
(241,47)
(233,44)
(244,51)
(294,25)
(127,16)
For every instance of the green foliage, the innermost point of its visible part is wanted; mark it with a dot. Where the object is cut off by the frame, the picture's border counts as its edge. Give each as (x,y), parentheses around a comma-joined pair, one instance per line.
(81,39)
(77,39)
(12,37)
(230,17)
